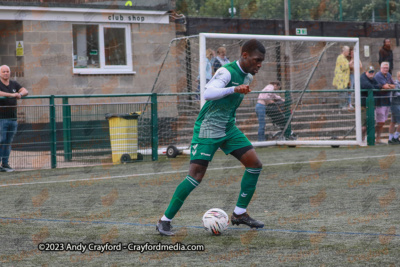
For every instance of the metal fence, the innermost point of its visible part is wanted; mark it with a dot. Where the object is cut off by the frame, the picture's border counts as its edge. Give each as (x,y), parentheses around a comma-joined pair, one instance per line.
(74,130)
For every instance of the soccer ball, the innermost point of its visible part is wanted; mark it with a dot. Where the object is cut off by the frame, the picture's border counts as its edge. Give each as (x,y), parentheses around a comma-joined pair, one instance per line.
(215,221)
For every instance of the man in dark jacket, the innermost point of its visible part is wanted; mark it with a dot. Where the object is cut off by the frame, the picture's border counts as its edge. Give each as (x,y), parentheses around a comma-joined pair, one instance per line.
(8,114)
(367,81)
(386,54)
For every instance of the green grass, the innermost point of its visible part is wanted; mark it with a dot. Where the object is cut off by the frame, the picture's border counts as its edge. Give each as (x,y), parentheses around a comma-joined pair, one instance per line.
(321,207)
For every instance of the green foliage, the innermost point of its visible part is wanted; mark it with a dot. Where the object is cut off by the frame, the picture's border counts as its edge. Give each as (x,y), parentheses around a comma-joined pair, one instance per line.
(327,10)
(268,9)
(379,8)
(213,8)
(187,7)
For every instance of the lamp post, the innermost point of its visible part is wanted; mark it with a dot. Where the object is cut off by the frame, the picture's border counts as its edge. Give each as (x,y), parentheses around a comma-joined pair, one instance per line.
(286,17)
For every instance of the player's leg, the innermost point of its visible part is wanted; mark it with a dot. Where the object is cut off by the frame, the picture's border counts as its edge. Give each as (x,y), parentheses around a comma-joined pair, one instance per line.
(380,122)
(11,131)
(3,136)
(247,187)
(393,130)
(197,170)
(241,148)
(200,156)
(397,133)
(363,123)
(260,111)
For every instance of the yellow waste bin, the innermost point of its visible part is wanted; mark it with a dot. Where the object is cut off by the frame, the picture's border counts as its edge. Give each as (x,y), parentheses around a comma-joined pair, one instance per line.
(123,137)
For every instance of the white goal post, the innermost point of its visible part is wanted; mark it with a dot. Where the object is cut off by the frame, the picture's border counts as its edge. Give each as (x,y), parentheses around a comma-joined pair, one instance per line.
(303,78)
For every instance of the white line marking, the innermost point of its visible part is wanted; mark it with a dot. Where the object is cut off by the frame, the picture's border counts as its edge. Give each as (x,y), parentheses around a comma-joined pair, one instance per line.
(185,171)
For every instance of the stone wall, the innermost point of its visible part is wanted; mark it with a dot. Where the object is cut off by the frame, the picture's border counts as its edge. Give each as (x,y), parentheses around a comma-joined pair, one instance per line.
(10,32)
(48,60)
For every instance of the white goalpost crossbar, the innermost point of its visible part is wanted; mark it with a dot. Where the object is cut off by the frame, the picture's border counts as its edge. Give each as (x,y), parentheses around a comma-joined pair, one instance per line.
(202,60)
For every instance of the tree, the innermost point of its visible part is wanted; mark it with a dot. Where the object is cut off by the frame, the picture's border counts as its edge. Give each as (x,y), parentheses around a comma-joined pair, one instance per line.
(328,10)
(379,8)
(187,7)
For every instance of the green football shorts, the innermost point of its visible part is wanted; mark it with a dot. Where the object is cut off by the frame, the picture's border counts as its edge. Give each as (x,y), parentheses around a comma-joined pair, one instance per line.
(206,148)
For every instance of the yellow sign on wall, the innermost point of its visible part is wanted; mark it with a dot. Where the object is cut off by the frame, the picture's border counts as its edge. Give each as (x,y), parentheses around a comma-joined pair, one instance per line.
(20,48)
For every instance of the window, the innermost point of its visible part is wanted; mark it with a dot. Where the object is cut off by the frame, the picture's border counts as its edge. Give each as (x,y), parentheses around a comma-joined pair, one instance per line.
(101,49)
(114,47)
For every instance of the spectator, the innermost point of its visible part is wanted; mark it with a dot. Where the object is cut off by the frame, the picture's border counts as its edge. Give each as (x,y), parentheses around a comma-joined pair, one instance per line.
(342,76)
(382,105)
(367,81)
(210,54)
(8,114)
(350,58)
(264,100)
(221,59)
(386,54)
(395,109)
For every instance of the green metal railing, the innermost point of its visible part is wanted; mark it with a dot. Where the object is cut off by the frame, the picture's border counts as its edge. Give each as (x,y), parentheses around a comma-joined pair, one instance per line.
(59,125)
(370,109)
(67,122)
(154,127)
(370,118)
(51,119)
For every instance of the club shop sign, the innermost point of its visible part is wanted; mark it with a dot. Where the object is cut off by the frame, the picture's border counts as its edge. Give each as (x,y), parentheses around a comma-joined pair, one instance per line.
(116,17)
(83,15)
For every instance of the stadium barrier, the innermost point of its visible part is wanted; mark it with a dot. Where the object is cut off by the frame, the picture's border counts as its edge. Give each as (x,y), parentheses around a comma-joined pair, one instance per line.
(72,130)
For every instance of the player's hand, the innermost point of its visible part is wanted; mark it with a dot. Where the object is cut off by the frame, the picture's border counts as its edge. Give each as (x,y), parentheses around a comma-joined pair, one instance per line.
(17,95)
(242,89)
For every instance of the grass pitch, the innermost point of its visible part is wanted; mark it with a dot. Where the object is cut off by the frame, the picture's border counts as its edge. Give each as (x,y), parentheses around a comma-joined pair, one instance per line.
(321,207)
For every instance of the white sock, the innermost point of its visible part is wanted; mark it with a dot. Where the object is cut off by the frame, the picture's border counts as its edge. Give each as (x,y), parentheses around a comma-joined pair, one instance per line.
(239,211)
(396,135)
(165,219)
(390,136)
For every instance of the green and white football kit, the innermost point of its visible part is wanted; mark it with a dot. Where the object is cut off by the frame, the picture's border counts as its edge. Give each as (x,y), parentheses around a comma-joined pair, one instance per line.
(215,126)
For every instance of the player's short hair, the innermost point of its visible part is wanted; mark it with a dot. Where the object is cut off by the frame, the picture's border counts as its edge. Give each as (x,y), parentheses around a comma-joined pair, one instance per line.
(385,63)
(252,45)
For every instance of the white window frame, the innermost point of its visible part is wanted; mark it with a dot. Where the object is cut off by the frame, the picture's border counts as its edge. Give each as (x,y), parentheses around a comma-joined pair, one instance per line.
(109,69)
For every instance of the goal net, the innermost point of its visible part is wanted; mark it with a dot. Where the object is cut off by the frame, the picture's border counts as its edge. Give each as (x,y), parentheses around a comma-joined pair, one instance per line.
(309,111)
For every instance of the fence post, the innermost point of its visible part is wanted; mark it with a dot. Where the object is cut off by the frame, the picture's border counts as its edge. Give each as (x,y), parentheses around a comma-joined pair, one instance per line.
(370,118)
(67,129)
(53,133)
(154,127)
(288,105)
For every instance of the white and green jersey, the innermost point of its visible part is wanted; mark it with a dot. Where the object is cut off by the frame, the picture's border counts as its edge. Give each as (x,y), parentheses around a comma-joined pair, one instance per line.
(218,115)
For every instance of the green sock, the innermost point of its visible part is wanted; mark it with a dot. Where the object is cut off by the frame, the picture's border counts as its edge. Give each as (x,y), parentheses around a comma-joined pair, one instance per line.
(248,186)
(181,193)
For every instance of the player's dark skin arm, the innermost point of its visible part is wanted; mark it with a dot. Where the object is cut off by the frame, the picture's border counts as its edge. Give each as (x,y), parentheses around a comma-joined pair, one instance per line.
(242,89)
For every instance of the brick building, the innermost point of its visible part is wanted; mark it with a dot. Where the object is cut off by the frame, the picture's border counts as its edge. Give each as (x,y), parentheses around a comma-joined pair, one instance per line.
(85,46)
